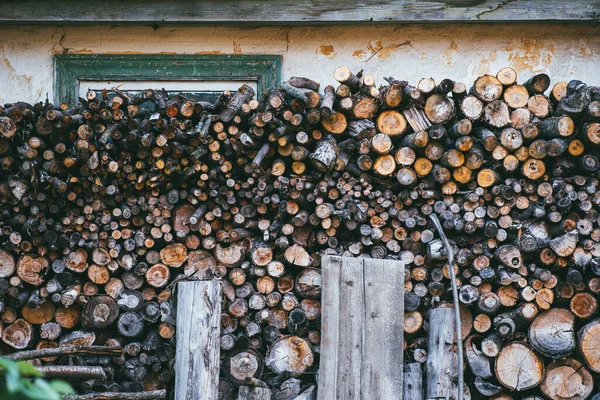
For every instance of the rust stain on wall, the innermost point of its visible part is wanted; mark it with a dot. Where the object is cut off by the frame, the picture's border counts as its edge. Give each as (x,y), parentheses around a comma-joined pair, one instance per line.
(23,80)
(326,50)
(483,65)
(208,52)
(237,48)
(448,55)
(584,47)
(358,53)
(531,54)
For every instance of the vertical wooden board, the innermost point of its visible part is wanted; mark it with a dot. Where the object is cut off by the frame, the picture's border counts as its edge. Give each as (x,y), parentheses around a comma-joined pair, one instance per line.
(382,371)
(439,357)
(331,268)
(198,340)
(352,321)
(413,382)
(254,393)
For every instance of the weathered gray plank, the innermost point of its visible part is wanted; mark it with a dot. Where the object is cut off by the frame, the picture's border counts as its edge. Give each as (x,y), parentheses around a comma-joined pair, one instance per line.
(352,325)
(198,340)
(254,393)
(413,381)
(382,371)
(249,12)
(361,329)
(330,324)
(439,352)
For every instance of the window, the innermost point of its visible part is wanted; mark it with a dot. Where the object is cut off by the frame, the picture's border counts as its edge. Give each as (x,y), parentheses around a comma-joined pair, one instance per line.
(202,76)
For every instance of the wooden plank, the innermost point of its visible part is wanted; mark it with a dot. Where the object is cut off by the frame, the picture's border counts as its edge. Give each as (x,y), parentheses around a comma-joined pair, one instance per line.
(70,69)
(247,12)
(382,371)
(413,381)
(330,324)
(439,352)
(361,329)
(198,340)
(254,393)
(351,325)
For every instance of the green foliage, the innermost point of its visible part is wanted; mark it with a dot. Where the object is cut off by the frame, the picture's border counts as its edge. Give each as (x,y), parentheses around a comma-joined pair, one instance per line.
(21,381)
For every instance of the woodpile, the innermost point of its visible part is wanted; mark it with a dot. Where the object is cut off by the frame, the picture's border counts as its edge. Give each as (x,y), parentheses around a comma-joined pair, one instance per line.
(106,205)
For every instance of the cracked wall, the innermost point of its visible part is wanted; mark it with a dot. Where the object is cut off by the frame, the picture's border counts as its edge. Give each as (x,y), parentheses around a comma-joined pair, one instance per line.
(408,52)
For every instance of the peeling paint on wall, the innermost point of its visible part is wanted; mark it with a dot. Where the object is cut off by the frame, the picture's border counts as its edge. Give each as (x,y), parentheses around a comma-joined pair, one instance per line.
(584,47)
(237,48)
(326,50)
(408,52)
(482,64)
(23,81)
(531,54)
(449,54)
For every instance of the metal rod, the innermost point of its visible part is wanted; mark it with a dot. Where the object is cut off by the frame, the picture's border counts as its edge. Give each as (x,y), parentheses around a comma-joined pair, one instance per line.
(457,324)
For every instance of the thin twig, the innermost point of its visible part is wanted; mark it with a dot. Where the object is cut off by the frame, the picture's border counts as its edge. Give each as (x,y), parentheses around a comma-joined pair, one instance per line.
(457,324)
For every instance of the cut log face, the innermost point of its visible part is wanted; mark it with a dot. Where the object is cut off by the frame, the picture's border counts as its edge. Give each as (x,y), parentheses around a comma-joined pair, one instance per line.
(589,345)
(30,268)
(18,334)
(158,275)
(101,256)
(7,264)
(297,255)
(76,261)
(335,124)
(174,255)
(243,364)
(309,283)
(488,88)
(391,123)
(200,264)
(42,314)
(518,367)
(567,380)
(100,312)
(439,108)
(552,333)
(231,256)
(291,355)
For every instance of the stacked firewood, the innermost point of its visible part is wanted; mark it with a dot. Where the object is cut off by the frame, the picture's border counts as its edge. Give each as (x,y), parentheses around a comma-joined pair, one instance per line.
(105,206)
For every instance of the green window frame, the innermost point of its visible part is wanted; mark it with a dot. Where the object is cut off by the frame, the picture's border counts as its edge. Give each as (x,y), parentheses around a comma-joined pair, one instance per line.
(70,69)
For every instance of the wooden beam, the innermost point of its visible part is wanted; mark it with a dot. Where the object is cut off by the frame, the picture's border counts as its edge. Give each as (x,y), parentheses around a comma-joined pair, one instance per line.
(361,329)
(198,340)
(247,12)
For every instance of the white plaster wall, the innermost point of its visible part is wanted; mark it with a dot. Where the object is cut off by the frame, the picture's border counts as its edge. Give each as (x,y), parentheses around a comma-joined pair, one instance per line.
(407,52)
